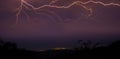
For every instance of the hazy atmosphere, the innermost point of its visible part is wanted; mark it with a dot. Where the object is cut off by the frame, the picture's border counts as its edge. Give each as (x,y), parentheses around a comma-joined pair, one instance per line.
(32,25)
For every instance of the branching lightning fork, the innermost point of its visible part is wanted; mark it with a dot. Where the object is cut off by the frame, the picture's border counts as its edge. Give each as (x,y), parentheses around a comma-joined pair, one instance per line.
(27,5)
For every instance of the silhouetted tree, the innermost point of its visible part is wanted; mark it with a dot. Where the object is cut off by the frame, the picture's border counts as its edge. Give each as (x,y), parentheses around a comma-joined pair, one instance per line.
(115,44)
(10,46)
(1,43)
(7,45)
(87,44)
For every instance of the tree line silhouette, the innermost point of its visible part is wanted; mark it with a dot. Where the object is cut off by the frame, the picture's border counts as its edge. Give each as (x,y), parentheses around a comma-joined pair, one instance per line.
(86,50)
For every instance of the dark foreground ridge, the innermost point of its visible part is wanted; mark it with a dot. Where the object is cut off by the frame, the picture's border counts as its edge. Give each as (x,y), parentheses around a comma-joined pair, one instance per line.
(9,50)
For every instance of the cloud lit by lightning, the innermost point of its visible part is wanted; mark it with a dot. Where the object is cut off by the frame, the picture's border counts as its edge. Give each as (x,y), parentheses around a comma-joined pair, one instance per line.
(58,18)
(51,4)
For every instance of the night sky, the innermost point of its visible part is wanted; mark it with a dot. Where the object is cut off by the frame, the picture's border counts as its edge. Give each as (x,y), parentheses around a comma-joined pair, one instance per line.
(58,27)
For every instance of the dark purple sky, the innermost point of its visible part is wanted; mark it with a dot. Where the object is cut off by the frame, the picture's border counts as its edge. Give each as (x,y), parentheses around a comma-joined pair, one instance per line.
(71,22)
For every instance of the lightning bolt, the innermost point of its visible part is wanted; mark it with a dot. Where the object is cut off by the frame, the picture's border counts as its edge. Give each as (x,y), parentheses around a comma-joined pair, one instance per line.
(27,5)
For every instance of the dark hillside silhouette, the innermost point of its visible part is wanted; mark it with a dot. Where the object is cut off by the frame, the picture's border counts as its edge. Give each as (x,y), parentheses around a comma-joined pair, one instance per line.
(86,50)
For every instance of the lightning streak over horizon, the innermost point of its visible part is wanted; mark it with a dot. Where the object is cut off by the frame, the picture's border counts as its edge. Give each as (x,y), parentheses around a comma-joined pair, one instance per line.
(28,6)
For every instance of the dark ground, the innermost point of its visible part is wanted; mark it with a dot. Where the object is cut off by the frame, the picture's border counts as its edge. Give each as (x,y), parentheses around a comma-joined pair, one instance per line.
(9,50)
